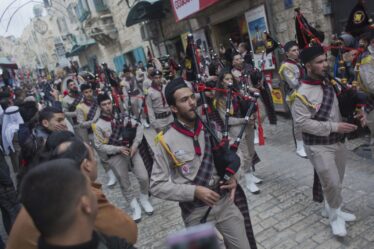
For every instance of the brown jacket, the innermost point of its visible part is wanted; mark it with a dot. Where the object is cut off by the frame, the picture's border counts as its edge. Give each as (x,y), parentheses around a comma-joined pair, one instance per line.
(110,220)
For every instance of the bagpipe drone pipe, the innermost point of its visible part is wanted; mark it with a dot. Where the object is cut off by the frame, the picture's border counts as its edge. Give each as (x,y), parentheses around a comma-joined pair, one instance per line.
(351,101)
(225,158)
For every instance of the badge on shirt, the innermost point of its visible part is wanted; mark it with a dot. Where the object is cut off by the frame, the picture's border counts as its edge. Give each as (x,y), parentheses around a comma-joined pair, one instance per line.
(185,168)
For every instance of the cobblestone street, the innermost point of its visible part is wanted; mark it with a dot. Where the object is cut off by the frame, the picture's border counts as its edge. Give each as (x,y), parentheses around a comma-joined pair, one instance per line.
(283,214)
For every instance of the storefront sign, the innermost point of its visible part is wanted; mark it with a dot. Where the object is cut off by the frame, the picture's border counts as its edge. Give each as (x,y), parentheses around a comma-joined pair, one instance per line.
(257,25)
(185,8)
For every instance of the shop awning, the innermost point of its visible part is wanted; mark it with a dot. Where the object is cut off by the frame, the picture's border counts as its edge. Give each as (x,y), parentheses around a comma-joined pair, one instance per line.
(4,62)
(145,10)
(78,48)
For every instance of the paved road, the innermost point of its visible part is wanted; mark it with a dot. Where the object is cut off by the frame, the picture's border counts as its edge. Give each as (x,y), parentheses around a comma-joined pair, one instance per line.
(283,214)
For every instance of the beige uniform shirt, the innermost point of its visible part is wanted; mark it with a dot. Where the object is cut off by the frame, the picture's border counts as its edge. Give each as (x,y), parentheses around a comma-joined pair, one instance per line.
(103,131)
(175,183)
(291,74)
(126,86)
(155,105)
(67,101)
(367,73)
(146,84)
(303,114)
(82,112)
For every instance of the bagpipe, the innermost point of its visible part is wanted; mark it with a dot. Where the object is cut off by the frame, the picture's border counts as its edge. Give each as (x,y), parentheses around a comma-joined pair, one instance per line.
(258,78)
(226,161)
(128,131)
(305,33)
(349,96)
(351,99)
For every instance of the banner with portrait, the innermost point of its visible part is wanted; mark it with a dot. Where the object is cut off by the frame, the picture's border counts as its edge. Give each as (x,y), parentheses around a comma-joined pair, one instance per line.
(257,25)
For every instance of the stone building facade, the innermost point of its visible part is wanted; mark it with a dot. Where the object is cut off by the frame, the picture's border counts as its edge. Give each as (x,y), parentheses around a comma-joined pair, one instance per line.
(114,43)
(225,18)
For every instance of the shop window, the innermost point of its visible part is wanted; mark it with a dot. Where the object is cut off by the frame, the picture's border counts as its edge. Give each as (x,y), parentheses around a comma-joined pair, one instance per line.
(82,10)
(72,16)
(62,25)
(119,61)
(100,5)
(91,63)
(139,55)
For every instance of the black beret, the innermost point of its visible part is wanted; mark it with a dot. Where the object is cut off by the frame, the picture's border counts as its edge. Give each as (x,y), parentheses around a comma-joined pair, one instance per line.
(173,86)
(102,97)
(85,86)
(310,53)
(289,45)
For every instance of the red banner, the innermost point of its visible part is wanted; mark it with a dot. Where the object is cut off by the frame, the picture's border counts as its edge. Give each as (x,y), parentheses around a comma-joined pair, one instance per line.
(184,8)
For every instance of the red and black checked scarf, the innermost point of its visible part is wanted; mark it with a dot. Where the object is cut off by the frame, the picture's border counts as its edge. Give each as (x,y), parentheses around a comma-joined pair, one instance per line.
(159,89)
(202,179)
(77,100)
(145,150)
(323,115)
(93,107)
(117,125)
(194,135)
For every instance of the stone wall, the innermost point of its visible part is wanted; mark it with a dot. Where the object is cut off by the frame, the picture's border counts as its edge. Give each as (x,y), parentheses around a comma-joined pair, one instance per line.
(284,23)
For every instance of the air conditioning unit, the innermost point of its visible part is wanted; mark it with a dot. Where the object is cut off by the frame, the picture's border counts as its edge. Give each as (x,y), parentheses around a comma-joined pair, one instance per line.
(150,31)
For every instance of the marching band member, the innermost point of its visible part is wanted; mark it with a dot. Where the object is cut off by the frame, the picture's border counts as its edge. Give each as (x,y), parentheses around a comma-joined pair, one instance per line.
(121,142)
(323,133)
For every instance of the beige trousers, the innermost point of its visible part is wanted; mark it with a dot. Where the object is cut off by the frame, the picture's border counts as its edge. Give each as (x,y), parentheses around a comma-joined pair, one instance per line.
(247,148)
(121,167)
(329,162)
(297,131)
(228,221)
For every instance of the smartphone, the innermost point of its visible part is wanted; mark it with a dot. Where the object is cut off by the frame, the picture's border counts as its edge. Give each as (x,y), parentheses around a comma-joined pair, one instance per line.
(197,237)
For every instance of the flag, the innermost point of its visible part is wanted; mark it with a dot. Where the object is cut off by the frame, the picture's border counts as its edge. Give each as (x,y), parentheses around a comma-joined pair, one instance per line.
(190,61)
(306,34)
(358,21)
(270,44)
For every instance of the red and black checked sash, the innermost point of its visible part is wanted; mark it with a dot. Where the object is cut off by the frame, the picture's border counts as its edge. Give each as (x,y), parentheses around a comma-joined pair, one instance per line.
(121,135)
(202,179)
(323,115)
(76,101)
(93,108)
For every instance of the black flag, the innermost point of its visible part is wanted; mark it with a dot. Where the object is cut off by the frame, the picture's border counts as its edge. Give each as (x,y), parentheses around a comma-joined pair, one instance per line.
(270,44)
(189,63)
(305,33)
(358,20)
